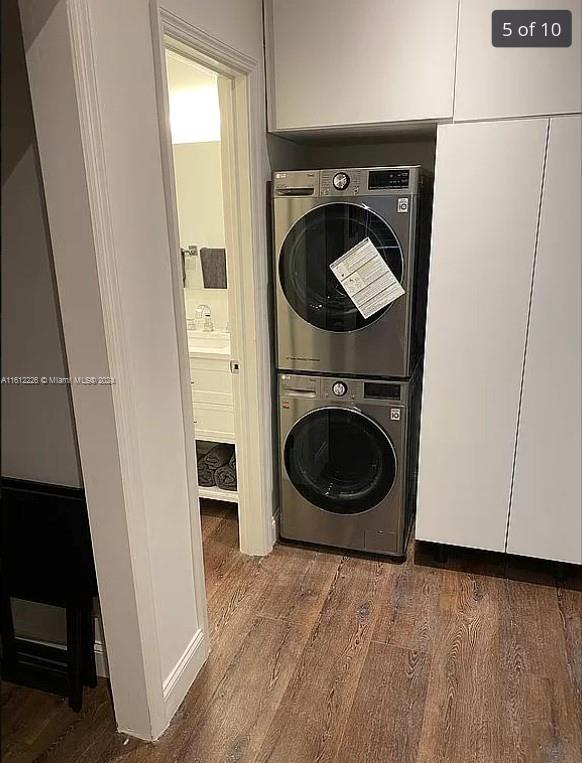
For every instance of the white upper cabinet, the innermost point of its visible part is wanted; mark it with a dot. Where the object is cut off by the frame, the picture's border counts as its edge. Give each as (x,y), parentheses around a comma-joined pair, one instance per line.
(546,509)
(495,83)
(341,62)
(487,190)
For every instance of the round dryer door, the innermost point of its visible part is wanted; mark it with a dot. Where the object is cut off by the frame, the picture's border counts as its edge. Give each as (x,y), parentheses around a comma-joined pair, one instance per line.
(313,243)
(340,460)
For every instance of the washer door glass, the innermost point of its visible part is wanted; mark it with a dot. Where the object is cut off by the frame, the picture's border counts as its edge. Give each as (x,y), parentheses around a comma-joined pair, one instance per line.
(340,461)
(312,244)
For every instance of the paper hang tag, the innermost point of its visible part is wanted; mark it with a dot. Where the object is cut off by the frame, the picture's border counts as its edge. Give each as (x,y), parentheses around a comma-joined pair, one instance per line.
(367,279)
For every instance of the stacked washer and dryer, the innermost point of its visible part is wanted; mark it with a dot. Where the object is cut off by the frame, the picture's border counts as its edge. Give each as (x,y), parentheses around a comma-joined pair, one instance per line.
(349,385)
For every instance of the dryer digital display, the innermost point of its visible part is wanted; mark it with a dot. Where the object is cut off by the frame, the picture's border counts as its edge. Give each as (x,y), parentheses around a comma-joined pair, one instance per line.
(388,179)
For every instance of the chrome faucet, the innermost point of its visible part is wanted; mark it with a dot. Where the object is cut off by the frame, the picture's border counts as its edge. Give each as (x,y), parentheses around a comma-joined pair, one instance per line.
(204,311)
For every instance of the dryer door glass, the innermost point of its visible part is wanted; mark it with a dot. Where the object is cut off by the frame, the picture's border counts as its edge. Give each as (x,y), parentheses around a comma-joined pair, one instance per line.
(340,460)
(317,240)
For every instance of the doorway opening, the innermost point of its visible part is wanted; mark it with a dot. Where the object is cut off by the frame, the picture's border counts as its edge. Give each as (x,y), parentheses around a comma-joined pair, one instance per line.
(208,101)
(195,123)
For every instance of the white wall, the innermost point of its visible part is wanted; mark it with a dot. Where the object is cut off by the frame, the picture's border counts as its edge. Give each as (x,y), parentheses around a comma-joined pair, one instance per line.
(331,152)
(39,440)
(38,428)
(216,299)
(237,23)
(198,170)
(379,153)
(114,273)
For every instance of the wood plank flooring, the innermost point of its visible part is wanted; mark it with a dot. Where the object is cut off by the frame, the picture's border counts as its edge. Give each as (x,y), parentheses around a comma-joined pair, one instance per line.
(319,657)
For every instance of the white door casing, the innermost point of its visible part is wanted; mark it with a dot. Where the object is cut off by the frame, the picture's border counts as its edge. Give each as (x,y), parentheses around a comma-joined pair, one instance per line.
(241,104)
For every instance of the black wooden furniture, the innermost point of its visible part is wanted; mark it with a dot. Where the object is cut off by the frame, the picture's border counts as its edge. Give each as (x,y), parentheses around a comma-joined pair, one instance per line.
(47,557)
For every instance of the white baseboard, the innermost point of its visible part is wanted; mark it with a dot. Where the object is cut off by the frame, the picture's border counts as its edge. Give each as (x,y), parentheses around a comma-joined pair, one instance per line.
(101,660)
(182,675)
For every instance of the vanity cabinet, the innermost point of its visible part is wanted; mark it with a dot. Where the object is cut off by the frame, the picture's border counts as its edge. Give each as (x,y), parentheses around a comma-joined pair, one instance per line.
(546,506)
(496,83)
(212,398)
(334,63)
(500,439)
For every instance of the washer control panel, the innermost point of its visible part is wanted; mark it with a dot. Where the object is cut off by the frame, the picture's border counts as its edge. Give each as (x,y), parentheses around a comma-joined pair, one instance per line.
(344,390)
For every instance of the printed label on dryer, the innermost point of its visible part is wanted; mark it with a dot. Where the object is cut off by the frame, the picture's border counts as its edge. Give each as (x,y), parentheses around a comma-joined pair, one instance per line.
(367,279)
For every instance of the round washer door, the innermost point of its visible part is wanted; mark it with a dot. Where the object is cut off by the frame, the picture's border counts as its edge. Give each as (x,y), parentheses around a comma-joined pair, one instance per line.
(313,243)
(340,460)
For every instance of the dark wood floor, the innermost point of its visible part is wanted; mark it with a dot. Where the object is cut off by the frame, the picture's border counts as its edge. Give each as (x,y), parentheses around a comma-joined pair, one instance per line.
(319,657)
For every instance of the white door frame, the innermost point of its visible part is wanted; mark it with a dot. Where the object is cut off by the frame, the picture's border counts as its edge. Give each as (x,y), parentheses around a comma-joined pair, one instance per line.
(244,203)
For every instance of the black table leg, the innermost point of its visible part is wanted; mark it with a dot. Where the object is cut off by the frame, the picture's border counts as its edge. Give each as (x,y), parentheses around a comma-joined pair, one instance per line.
(89,666)
(75,655)
(9,655)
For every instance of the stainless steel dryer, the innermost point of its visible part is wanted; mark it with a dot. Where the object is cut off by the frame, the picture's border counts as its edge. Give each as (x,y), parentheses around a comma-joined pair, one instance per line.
(348,461)
(318,216)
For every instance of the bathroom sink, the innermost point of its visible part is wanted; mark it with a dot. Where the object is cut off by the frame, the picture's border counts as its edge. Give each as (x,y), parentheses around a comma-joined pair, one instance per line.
(208,342)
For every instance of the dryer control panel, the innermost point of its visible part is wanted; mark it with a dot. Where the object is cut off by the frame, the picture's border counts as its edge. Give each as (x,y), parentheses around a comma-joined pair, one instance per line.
(340,182)
(349,181)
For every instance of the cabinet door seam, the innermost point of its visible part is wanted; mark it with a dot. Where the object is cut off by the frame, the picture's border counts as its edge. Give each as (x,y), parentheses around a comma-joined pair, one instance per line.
(527,327)
(456,58)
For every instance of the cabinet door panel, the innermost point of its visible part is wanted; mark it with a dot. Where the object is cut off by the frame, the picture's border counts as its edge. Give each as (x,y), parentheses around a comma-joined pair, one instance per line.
(340,62)
(487,190)
(546,508)
(494,83)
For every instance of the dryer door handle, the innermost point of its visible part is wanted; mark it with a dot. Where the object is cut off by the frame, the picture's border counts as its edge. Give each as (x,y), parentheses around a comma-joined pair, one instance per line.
(299,392)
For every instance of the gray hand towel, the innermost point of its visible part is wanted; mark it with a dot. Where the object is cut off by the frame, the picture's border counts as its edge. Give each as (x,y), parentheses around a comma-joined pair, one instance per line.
(213,267)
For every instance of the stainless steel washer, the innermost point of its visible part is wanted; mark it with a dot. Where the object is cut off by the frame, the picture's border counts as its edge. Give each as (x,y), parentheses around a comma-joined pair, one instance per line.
(348,454)
(318,216)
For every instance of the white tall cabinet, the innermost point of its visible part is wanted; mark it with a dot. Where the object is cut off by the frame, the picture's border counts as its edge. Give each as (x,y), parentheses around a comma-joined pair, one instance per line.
(500,439)
(488,179)
(546,507)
